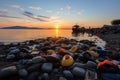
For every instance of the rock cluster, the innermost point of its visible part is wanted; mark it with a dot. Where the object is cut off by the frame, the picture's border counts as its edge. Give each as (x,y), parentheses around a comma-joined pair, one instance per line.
(55,59)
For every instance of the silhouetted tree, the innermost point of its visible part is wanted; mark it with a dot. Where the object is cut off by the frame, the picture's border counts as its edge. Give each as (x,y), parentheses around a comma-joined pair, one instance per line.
(76,28)
(115,22)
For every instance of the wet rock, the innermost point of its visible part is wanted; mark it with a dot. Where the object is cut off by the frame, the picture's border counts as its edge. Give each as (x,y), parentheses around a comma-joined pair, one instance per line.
(68,74)
(24,62)
(45,76)
(73,49)
(77,64)
(52,58)
(8,72)
(78,72)
(10,57)
(62,78)
(55,70)
(33,76)
(24,50)
(91,65)
(38,59)
(12,48)
(47,67)
(34,67)
(14,51)
(19,66)
(2,56)
(23,72)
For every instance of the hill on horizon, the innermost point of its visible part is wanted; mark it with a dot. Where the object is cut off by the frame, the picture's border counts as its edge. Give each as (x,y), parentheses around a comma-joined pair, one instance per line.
(20,27)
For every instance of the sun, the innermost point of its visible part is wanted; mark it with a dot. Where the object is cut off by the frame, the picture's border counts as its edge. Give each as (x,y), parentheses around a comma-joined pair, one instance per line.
(57,26)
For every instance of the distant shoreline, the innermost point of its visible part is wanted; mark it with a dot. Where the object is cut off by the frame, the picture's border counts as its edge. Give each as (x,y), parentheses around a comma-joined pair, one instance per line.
(24,27)
(38,29)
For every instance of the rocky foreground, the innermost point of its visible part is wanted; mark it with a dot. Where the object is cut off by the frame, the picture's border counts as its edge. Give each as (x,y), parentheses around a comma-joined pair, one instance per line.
(113,40)
(58,59)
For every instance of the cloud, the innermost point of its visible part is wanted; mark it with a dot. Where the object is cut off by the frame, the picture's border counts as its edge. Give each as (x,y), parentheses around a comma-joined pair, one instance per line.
(35,8)
(18,7)
(61,9)
(7,16)
(43,16)
(49,11)
(54,18)
(80,12)
(37,17)
(4,13)
(68,7)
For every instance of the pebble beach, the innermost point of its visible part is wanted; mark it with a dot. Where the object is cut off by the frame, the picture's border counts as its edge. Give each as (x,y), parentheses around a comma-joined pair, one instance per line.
(54,58)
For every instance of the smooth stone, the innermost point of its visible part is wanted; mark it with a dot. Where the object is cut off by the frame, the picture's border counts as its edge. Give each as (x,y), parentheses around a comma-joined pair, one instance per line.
(39,77)
(23,72)
(29,62)
(33,76)
(45,76)
(78,65)
(2,56)
(53,58)
(35,52)
(12,48)
(55,70)
(10,57)
(38,59)
(19,66)
(68,74)
(91,65)
(34,67)
(14,51)
(8,71)
(78,72)
(62,78)
(47,67)
(24,50)
(24,62)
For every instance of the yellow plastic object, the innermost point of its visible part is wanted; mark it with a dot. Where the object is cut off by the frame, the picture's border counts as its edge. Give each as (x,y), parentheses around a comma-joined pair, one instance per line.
(92,48)
(73,49)
(94,54)
(50,51)
(63,45)
(67,61)
(35,49)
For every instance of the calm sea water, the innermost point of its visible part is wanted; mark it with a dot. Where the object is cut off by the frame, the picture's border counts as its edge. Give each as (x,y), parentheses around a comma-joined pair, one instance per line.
(19,35)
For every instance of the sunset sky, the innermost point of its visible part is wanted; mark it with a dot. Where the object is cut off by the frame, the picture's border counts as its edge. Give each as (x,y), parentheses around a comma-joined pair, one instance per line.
(66,13)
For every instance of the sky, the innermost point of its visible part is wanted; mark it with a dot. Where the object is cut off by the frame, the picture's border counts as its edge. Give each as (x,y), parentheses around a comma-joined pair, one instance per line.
(65,13)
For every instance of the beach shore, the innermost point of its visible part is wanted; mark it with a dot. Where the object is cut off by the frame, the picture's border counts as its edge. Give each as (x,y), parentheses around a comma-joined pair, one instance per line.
(57,58)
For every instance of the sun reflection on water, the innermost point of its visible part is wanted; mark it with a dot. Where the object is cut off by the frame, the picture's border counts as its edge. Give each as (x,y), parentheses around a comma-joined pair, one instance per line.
(56,32)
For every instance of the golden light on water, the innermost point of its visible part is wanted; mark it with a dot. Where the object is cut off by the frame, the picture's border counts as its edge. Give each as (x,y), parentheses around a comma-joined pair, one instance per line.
(56,32)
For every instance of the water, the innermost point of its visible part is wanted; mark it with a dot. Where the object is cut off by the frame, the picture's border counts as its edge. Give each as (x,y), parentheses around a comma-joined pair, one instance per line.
(19,35)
